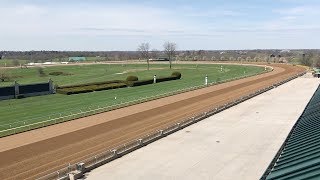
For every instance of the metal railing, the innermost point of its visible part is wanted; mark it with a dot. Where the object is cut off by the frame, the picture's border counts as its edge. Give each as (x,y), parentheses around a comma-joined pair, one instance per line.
(114,153)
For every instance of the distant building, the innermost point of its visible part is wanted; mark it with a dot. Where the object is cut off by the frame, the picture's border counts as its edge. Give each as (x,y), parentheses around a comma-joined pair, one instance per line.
(285,51)
(77,58)
(159,59)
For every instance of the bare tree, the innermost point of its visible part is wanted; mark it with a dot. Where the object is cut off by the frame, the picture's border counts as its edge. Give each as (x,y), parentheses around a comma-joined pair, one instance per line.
(316,62)
(154,53)
(4,75)
(144,49)
(306,59)
(15,62)
(170,50)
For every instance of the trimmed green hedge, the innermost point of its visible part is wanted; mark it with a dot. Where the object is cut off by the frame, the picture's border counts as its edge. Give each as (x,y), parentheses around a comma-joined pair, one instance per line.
(59,73)
(86,89)
(100,86)
(90,84)
(140,83)
(132,78)
(176,74)
(162,79)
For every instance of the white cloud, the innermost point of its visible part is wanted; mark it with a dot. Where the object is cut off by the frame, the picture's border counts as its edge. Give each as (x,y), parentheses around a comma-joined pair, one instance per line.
(36,19)
(122,26)
(299,10)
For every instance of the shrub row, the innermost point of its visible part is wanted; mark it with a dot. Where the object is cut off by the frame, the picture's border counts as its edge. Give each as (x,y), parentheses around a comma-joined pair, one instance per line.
(132,78)
(140,83)
(99,86)
(90,84)
(91,88)
(59,73)
(174,76)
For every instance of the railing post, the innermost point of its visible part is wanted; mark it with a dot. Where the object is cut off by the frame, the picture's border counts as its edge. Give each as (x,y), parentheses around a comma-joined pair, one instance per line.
(16,89)
(69,168)
(161,132)
(115,154)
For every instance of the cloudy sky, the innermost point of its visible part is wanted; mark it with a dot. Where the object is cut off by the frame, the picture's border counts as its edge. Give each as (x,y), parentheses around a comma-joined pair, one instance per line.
(123,24)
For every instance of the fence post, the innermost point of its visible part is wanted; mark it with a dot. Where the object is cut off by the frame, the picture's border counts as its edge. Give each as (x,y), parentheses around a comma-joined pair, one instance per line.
(179,125)
(16,89)
(155,79)
(206,80)
(51,87)
(69,168)
(161,132)
(115,154)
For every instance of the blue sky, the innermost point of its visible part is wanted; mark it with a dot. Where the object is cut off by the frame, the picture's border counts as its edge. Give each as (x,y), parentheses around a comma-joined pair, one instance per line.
(123,24)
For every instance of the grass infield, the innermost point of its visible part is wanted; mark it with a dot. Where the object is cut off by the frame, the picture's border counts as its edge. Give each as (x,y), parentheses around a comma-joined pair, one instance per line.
(41,108)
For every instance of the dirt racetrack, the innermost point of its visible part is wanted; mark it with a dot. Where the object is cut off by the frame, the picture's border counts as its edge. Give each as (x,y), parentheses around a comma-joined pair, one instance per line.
(32,154)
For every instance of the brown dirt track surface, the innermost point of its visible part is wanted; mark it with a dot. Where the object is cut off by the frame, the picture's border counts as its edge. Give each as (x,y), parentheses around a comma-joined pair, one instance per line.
(29,155)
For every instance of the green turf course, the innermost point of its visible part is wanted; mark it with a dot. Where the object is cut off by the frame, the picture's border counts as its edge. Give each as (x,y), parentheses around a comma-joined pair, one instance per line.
(40,108)
(10,62)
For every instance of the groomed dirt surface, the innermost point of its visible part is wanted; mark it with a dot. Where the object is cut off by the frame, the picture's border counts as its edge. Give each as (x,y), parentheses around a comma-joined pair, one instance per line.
(32,154)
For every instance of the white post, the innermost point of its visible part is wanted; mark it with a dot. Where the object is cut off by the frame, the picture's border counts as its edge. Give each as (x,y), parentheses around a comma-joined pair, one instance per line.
(265,68)
(155,79)
(206,80)
(221,68)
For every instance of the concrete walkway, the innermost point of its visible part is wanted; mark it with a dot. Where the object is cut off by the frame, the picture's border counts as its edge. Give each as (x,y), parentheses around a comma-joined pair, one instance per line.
(238,143)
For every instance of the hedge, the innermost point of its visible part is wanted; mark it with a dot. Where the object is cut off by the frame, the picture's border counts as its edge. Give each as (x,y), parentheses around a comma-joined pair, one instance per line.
(86,89)
(100,86)
(140,83)
(58,73)
(132,78)
(176,74)
(90,84)
(162,79)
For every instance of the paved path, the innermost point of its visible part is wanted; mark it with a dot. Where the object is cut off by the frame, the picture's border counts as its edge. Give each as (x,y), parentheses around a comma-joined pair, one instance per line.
(238,143)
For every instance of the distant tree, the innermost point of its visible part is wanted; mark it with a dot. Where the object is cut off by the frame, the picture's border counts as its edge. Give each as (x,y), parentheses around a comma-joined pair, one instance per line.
(154,53)
(144,49)
(4,75)
(306,59)
(41,72)
(15,62)
(316,62)
(170,51)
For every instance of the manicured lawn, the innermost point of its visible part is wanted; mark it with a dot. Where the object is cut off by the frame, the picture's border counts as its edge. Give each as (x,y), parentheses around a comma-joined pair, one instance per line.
(40,108)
